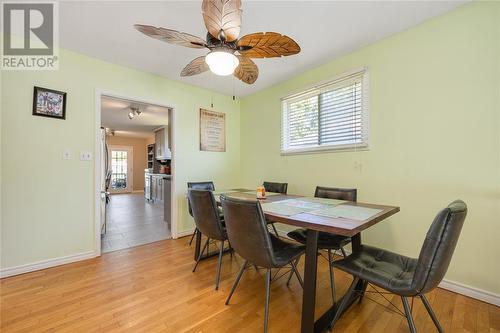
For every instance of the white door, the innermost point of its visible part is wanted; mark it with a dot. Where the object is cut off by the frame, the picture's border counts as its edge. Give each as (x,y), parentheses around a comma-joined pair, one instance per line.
(121,164)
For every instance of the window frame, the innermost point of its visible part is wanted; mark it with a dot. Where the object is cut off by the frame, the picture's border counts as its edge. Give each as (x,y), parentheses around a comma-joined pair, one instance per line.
(317,89)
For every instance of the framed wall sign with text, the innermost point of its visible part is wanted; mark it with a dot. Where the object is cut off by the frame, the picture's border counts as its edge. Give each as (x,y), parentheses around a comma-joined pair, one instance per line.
(212,131)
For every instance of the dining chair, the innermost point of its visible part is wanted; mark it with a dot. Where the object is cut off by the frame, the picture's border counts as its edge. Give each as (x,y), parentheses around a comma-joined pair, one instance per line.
(247,232)
(208,222)
(198,186)
(328,241)
(276,188)
(404,276)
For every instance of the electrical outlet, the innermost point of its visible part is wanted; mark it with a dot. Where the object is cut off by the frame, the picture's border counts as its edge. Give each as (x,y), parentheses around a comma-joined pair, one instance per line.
(85,156)
(66,154)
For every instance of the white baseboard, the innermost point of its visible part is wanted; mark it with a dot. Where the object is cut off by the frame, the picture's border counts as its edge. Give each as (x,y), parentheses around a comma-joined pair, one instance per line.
(472,292)
(185,233)
(11,271)
(453,286)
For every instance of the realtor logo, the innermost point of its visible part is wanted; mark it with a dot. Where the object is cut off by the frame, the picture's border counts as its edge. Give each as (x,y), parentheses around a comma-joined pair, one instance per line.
(30,36)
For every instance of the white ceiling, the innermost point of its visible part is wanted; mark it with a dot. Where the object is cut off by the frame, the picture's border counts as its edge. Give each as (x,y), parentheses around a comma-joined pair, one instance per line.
(114,115)
(323,29)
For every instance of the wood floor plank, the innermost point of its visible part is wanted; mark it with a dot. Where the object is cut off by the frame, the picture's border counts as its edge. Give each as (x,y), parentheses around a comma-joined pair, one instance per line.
(151,288)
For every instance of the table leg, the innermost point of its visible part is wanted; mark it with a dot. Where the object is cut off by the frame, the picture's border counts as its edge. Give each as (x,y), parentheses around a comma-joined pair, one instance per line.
(356,243)
(323,323)
(309,294)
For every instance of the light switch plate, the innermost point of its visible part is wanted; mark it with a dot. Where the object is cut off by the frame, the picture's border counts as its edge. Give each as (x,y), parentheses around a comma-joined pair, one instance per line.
(67,154)
(85,156)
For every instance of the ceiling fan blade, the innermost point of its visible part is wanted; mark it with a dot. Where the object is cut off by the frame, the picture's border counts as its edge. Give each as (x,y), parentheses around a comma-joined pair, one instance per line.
(247,71)
(222,18)
(171,36)
(267,45)
(196,66)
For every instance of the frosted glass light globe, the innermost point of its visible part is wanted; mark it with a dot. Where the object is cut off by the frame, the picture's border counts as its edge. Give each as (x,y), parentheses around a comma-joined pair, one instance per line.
(222,63)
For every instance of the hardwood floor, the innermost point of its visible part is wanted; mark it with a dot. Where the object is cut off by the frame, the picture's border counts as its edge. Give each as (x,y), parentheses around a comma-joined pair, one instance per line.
(150,288)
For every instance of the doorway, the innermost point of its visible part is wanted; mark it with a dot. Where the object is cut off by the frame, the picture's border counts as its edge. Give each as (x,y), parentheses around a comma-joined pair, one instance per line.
(131,159)
(122,168)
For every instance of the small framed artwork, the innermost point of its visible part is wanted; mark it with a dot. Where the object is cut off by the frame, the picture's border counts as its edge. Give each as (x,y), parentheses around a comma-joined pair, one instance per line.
(49,103)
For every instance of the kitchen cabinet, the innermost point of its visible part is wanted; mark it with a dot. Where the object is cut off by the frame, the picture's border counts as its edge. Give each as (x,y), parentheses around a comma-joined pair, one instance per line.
(162,144)
(167,185)
(157,188)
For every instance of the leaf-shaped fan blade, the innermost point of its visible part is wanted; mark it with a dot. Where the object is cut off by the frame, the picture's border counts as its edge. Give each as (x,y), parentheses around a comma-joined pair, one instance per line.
(171,36)
(247,71)
(222,15)
(267,45)
(196,66)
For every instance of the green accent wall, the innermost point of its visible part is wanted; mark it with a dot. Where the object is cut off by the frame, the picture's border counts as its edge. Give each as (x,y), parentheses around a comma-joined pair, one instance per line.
(434,103)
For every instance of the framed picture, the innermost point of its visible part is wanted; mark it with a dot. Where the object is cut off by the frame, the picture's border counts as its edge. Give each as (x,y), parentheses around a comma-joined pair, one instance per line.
(212,131)
(49,103)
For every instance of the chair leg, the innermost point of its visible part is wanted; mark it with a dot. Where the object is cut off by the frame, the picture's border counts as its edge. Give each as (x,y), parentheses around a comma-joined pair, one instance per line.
(409,317)
(295,270)
(201,254)
(275,230)
(332,280)
(343,252)
(431,313)
(291,272)
(268,292)
(235,284)
(343,303)
(192,237)
(219,265)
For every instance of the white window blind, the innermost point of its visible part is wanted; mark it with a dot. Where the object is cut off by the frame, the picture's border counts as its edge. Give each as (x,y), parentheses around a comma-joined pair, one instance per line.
(332,115)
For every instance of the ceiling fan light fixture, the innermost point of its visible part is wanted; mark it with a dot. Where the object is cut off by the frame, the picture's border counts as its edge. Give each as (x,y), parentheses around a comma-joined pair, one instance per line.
(222,62)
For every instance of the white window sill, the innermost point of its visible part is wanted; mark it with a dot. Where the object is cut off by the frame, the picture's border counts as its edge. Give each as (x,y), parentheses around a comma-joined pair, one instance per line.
(326,149)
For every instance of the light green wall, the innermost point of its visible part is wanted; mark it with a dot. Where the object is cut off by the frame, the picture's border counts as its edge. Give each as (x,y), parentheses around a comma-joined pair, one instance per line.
(48,203)
(434,125)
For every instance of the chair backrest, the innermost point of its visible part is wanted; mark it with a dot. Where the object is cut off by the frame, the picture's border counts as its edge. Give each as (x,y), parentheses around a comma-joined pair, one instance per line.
(247,230)
(206,214)
(439,245)
(199,186)
(275,187)
(348,194)
(202,186)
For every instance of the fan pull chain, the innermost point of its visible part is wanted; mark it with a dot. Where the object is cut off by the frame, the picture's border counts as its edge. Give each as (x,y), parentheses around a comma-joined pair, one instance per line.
(211,101)
(234,98)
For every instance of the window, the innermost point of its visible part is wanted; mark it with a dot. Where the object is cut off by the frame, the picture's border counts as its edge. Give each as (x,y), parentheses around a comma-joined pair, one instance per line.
(330,116)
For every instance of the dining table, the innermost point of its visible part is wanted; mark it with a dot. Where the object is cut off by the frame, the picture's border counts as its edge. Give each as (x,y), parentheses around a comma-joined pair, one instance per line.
(316,215)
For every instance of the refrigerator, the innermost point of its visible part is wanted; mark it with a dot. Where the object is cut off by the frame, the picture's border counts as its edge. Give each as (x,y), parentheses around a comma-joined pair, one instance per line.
(105,179)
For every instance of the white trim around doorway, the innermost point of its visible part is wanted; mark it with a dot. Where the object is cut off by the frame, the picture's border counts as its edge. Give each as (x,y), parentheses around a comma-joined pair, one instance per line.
(97,166)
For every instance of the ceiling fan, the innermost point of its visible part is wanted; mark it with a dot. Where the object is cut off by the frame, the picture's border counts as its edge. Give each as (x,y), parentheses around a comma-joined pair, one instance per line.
(228,53)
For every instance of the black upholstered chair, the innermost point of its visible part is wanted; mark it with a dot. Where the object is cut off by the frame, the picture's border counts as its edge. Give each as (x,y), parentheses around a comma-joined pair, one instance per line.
(328,241)
(276,188)
(248,235)
(208,222)
(198,186)
(409,277)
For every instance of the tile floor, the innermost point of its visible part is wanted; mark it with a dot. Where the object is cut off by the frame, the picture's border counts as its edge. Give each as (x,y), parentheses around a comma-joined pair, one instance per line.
(132,221)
